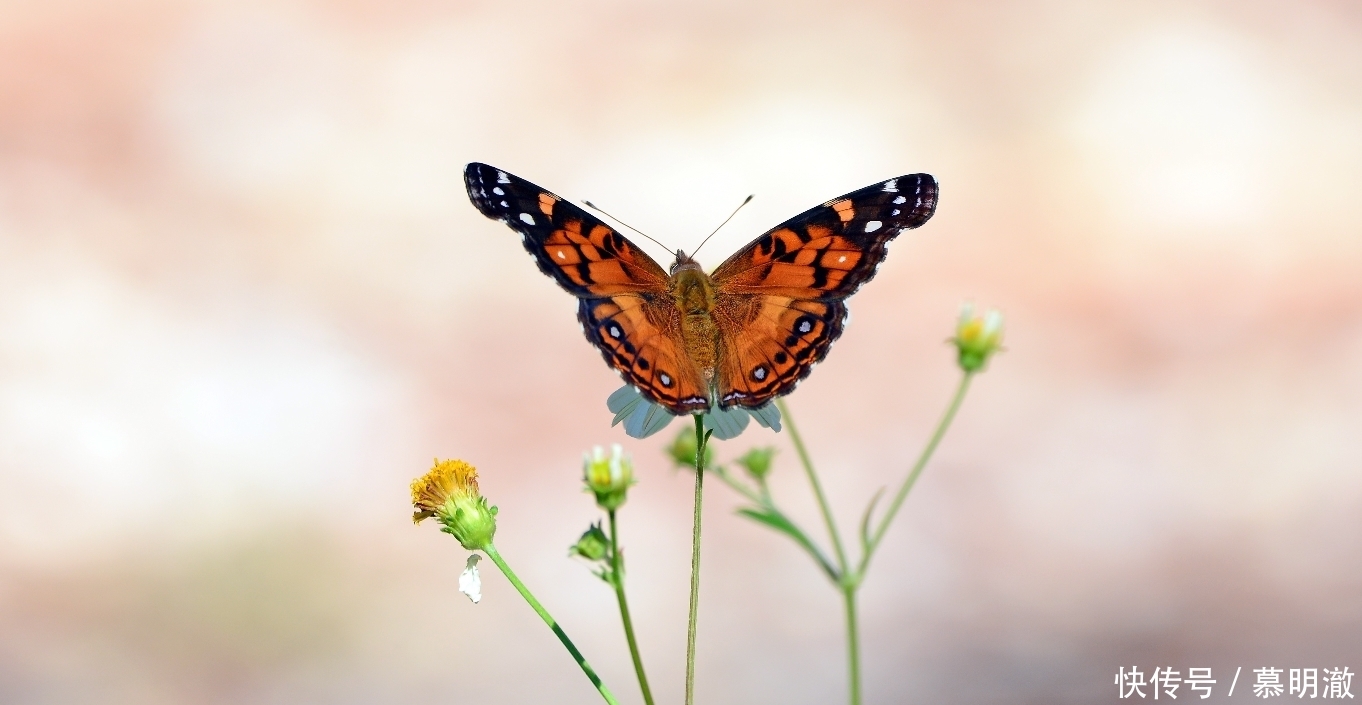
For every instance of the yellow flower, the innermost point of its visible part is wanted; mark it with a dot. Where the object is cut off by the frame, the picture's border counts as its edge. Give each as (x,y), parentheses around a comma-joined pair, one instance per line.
(608,478)
(977,337)
(449,492)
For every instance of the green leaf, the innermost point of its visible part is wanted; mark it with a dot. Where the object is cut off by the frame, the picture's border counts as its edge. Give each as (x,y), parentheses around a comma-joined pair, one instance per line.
(865,524)
(774,519)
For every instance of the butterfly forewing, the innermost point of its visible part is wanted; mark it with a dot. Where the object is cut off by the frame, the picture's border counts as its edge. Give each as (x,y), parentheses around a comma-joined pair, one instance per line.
(780,300)
(625,307)
(584,255)
(830,250)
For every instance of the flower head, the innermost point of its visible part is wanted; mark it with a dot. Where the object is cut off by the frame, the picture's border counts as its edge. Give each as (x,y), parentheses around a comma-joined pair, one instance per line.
(593,545)
(757,461)
(682,450)
(449,492)
(977,337)
(608,478)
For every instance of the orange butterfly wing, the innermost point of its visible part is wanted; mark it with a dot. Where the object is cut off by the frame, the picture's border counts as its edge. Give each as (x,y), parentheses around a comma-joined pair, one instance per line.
(780,301)
(625,307)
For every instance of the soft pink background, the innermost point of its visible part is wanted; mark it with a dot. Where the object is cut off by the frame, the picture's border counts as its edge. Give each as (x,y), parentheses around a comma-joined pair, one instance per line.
(244,301)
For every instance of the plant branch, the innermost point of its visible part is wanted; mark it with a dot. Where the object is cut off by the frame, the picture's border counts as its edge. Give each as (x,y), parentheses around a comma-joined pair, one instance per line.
(874,541)
(817,486)
(617,579)
(492,553)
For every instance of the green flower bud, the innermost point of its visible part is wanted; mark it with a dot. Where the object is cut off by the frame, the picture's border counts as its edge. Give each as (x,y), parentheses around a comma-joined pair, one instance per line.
(449,492)
(757,461)
(682,450)
(977,338)
(593,545)
(608,478)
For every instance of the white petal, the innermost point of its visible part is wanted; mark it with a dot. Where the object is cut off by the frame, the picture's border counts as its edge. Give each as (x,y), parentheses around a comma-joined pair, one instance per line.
(469,582)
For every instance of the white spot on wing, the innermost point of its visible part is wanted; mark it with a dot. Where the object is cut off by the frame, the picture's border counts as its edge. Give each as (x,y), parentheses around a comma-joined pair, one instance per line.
(840,260)
(759,373)
(502,178)
(561,255)
(805,326)
(527,218)
(901,199)
(497,190)
(891,186)
(614,331)
(896,212)
(505,204)
(872,226)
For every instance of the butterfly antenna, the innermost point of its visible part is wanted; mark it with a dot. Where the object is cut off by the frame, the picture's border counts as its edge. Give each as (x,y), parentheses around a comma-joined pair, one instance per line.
(593,207)
(721,225)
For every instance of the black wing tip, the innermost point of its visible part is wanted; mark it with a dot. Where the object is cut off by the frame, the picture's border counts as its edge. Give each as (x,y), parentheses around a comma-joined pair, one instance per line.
(475,178)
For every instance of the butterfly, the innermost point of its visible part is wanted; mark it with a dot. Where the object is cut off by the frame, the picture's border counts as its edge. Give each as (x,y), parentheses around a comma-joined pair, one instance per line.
(693,342)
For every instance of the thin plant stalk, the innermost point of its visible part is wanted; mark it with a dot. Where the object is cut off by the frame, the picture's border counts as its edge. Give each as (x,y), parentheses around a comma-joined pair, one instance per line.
(846,585)
(617,573)
(853,643)
(823,507)
(850,581)
(700,438)
(873,541)
(492,553)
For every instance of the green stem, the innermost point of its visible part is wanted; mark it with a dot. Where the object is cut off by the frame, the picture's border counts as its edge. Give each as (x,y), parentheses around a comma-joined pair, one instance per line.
(874,541)
(700,438)
(765,503)
(491,552)
(853,643)
(739,486)
(617,570)
(817,486)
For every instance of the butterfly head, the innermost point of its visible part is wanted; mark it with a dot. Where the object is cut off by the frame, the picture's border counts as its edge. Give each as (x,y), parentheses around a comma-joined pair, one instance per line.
(683,260)
(691,287)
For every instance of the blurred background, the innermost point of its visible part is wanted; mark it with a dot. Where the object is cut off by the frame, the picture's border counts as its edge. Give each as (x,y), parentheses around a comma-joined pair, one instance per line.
(244,301)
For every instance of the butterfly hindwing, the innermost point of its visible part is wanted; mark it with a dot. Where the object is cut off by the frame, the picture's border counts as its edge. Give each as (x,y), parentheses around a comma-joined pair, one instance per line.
(641,339)
(584,255)
(772,343)
(780,300)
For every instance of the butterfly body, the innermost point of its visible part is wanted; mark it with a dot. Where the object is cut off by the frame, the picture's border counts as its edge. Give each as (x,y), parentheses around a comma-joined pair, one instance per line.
(694,296)
(690,340)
